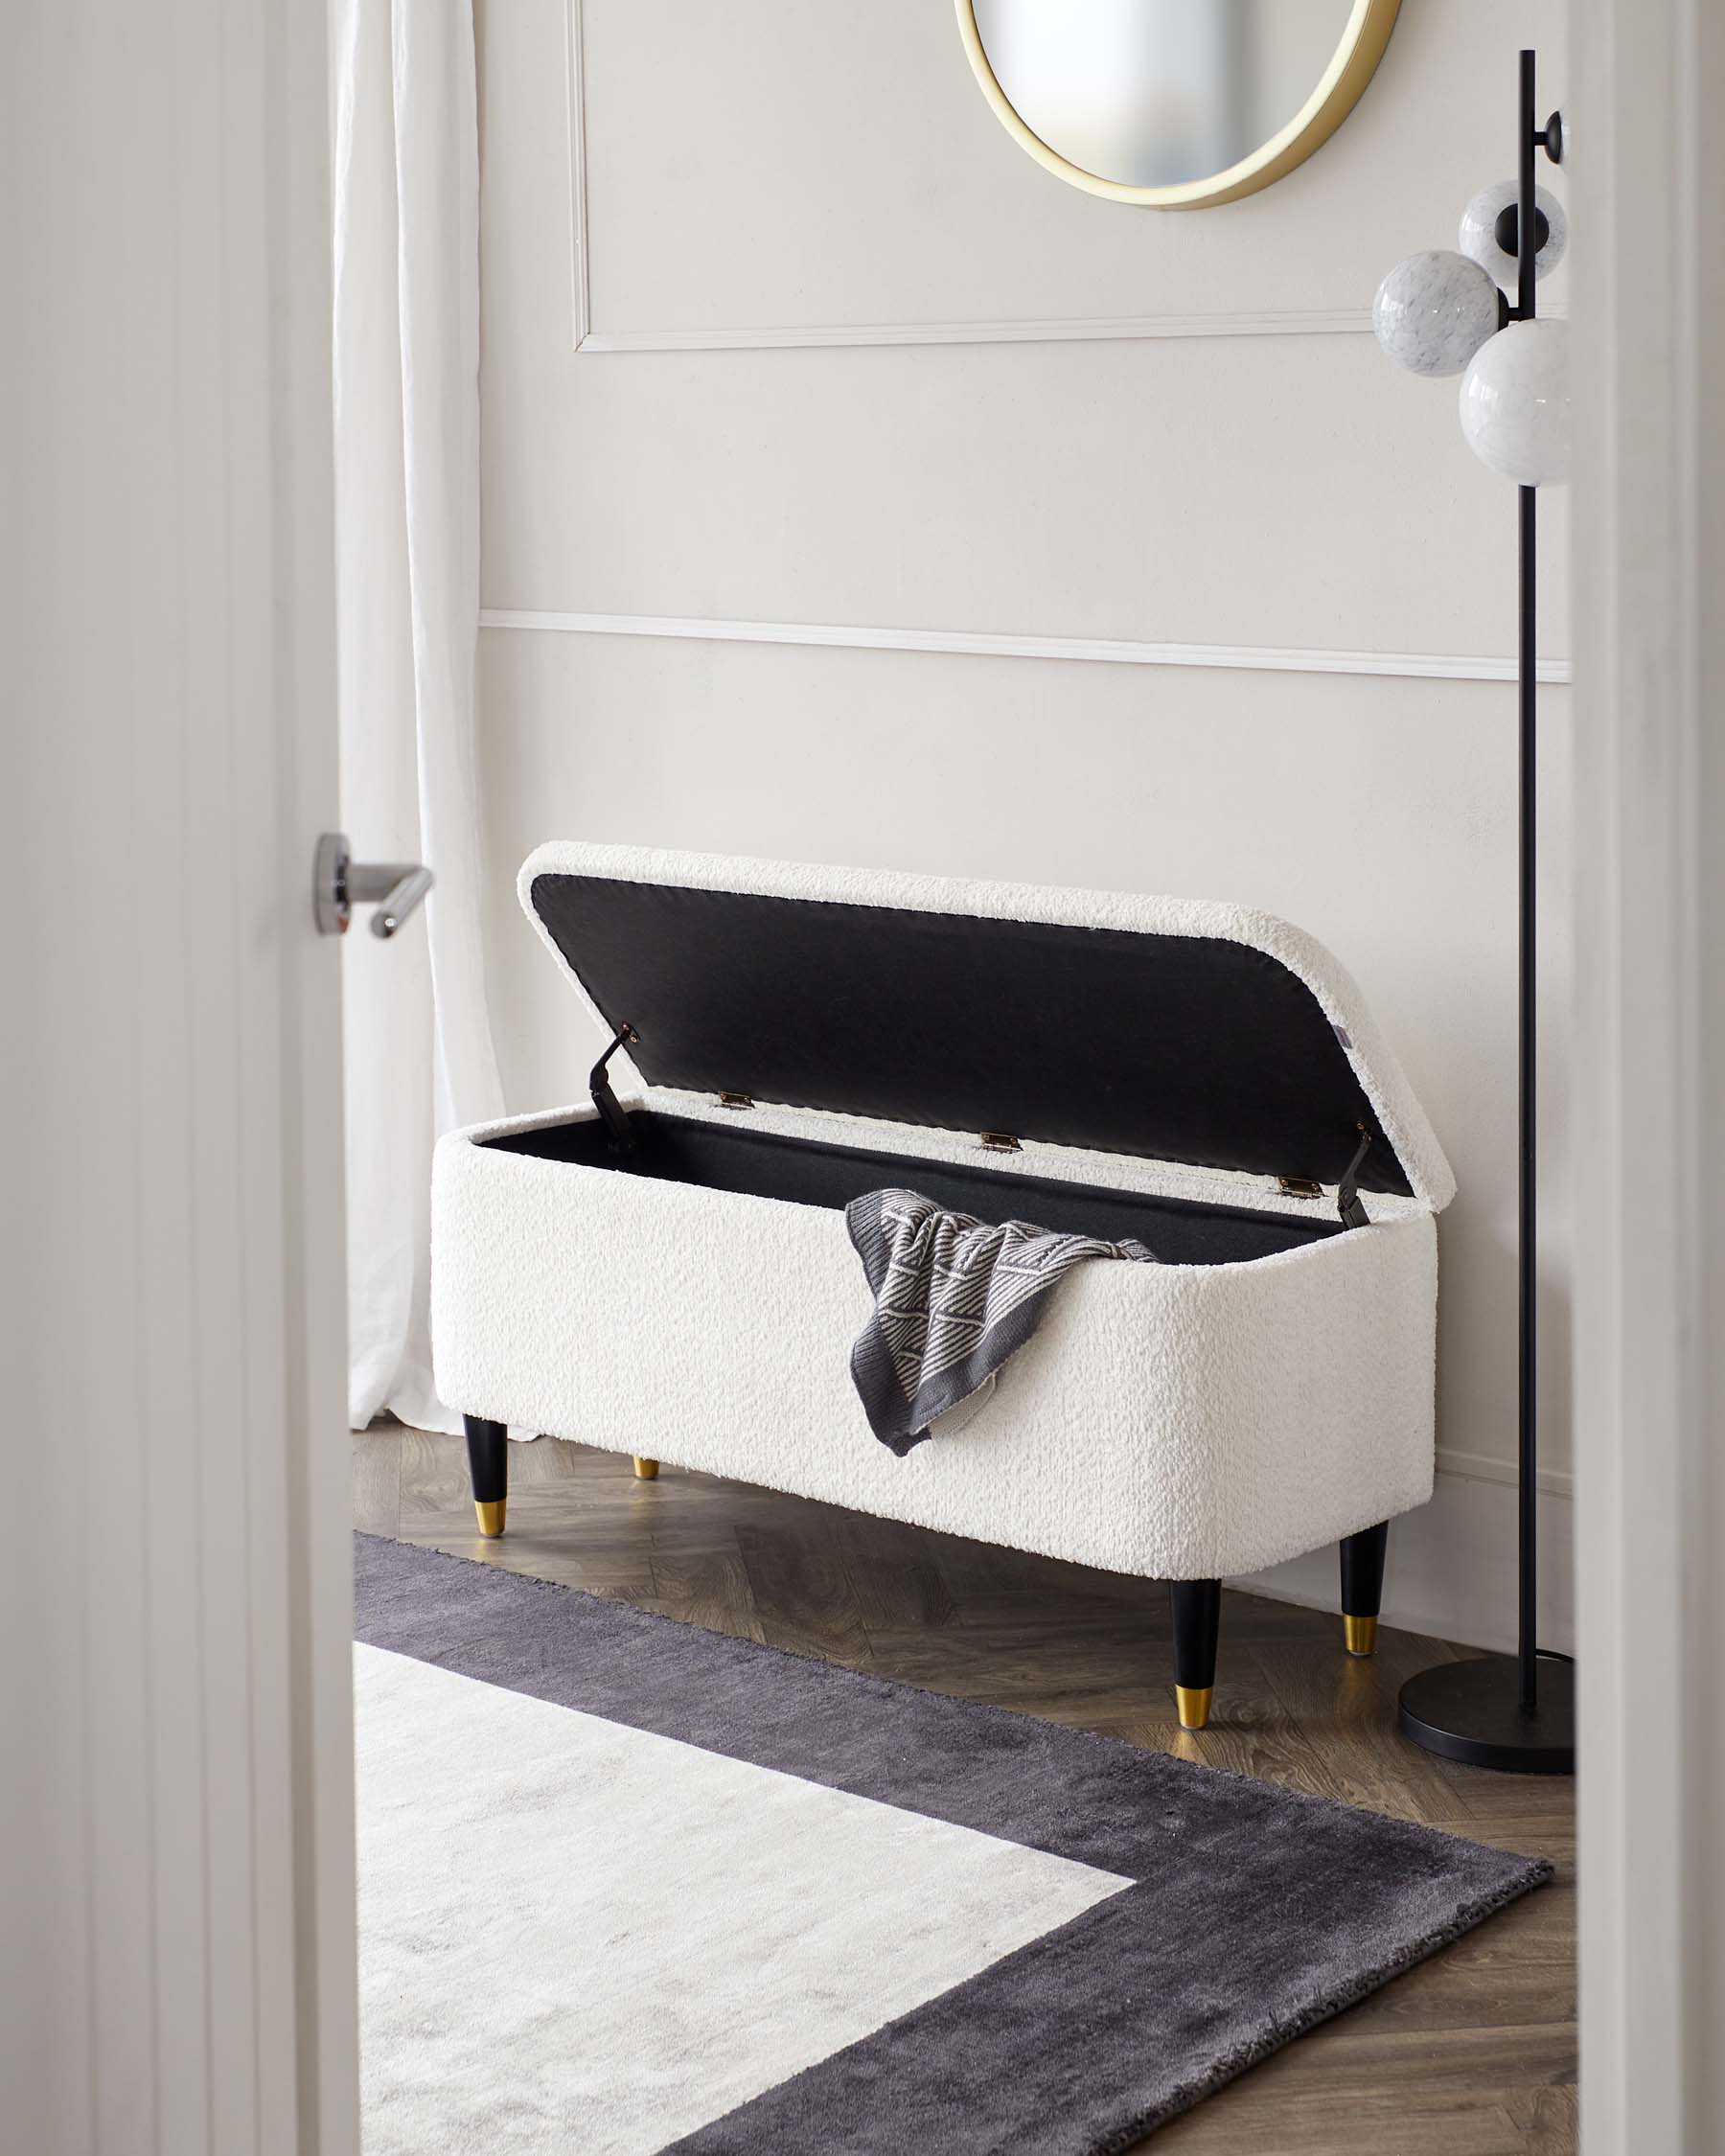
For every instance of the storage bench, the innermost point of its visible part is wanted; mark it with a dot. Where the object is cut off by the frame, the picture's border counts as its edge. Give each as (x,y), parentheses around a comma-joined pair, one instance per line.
(664,1268)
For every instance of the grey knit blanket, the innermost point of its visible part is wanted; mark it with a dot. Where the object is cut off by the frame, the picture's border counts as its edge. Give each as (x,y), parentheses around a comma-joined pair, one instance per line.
(954,1298)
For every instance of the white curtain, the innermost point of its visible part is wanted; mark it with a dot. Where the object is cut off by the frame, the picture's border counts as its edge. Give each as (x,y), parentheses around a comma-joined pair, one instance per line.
(419,1058)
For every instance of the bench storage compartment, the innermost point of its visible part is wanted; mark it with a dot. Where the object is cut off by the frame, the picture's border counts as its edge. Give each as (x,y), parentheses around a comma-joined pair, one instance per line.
(663,1268)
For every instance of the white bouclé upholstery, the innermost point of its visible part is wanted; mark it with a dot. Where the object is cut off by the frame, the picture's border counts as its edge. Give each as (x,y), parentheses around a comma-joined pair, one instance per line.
(1178,1421)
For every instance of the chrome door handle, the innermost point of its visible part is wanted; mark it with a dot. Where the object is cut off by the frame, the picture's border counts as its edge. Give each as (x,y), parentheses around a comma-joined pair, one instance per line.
(339,882)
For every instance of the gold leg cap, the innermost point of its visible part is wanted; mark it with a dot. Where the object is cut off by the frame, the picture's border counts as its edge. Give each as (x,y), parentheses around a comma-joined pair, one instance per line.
(1359,1635)
(1194,1704)
(645,1469)
(490,1516)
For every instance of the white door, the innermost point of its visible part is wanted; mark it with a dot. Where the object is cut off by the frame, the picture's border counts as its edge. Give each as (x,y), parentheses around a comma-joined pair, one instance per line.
(177,1929)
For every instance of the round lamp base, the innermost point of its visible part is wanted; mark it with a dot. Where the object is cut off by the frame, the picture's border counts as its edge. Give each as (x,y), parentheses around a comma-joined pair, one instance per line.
(1468,1710)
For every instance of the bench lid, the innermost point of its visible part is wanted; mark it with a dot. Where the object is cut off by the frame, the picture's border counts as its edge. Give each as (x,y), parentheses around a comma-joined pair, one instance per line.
(1171,1029)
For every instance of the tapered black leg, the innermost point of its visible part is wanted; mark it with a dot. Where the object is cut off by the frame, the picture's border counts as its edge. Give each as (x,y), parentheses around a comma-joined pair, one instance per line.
(488,1464)
(1362,1586)
(1197,1605)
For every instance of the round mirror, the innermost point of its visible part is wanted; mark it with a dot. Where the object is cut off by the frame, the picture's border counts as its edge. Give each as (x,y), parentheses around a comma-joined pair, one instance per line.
(1174,102)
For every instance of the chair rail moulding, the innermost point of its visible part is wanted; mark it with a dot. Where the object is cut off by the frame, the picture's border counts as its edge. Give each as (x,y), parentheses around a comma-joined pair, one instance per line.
(830,337)
(1241,322)
(1438,666)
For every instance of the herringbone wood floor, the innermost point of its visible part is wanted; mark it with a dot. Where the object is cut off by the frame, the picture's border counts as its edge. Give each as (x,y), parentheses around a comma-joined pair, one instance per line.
(1472,2055)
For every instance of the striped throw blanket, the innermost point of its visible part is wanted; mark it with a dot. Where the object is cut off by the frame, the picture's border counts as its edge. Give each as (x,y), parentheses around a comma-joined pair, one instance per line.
(954,1298)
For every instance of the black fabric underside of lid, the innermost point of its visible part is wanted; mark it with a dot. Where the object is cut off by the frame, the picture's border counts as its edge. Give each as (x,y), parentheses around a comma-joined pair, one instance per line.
(1184,1048)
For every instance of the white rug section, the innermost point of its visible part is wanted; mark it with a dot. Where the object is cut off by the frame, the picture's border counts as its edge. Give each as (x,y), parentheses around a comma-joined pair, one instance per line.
(574,1936)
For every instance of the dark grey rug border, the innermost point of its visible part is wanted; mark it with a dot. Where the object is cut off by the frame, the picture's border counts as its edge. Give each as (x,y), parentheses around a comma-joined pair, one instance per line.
(1275,1918)
(944,2084)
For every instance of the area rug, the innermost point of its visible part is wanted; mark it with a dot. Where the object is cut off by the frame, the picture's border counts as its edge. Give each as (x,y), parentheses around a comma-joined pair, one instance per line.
(629,1886)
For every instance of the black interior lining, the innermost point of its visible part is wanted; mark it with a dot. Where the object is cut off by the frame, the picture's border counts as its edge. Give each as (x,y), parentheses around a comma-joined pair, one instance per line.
(767,1164)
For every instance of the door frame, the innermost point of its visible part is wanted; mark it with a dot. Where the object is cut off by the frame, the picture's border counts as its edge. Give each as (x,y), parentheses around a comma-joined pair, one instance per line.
(1648,309)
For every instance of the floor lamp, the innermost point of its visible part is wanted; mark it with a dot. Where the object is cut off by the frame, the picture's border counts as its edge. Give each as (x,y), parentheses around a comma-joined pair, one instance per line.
(1444,314)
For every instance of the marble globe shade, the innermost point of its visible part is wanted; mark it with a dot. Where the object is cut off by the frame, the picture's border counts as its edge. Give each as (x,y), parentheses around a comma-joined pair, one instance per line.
(1434,311)
(1516,403)
(1478,236)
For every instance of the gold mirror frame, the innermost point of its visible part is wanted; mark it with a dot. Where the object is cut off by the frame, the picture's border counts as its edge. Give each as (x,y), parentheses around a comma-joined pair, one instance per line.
(1352,66)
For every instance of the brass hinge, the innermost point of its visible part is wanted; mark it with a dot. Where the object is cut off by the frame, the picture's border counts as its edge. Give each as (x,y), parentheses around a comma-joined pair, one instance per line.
(735,1100)
(1001,1142)
(1299,1186)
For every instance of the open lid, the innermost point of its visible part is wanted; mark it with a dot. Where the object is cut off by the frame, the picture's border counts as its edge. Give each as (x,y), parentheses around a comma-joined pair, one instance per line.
(1166,1028)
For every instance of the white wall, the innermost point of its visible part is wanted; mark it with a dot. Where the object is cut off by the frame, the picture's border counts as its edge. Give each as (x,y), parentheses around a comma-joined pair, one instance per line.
(856,368)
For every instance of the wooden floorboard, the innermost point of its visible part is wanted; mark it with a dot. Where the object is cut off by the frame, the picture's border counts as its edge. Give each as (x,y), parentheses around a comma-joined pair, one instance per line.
(1473,2054)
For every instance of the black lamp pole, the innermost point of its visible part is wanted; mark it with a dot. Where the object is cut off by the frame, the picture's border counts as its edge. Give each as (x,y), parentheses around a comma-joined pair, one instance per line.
(1519,1716)
(1527,1233)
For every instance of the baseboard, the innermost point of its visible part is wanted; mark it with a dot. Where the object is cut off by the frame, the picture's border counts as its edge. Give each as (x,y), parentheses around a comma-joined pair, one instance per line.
(1478,1467)
(1450,1573)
